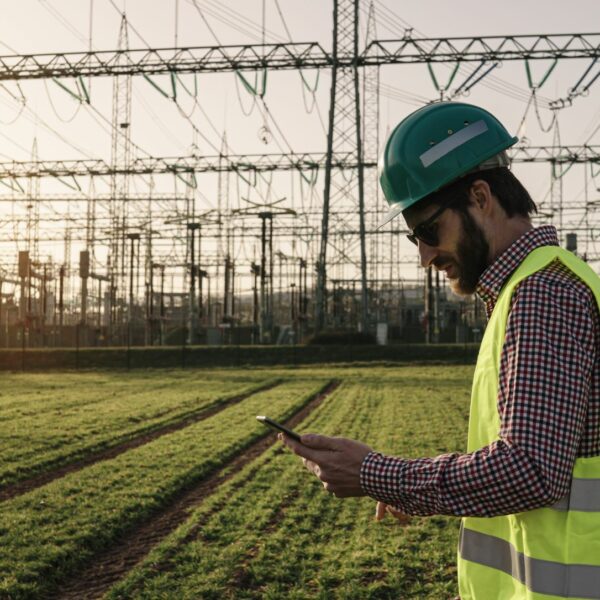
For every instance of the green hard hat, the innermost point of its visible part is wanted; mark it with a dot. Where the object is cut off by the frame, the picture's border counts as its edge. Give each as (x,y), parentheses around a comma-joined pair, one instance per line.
(435,145)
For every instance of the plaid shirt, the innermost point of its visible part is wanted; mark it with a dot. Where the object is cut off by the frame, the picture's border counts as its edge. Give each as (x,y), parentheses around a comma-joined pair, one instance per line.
(548,402)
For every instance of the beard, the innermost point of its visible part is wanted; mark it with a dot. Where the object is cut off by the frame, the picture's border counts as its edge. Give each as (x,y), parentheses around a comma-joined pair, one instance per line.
(471,257)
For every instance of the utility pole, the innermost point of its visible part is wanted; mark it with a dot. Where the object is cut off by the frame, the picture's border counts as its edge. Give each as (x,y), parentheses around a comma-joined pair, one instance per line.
(303,281)
(33,212)
(226,289)
(293,303)
(429,306)
(149,272)
(44,306)
(133,238)
(148,340)
(150,307)
(265,304)
(208,304)
(162,303)
(255,270)
(232,284)
(61,302)
(556,185)
(192,321)
(24,270)
(153,319)
(84,273)
(202,275)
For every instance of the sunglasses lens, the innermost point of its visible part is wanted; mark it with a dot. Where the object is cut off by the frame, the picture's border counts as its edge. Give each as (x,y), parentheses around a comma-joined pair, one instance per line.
(427,230)
(428,235)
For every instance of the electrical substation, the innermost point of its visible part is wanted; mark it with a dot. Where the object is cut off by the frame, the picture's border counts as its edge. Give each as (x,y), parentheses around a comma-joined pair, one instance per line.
(225,245)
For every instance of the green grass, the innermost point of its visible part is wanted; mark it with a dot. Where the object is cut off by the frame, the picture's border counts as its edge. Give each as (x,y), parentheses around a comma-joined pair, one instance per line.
(272,532)
(51,532)
(52,419)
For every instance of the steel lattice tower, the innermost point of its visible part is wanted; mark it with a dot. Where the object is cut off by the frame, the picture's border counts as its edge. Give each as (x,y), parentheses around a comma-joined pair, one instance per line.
(371,149)
(343,189)
(121,158)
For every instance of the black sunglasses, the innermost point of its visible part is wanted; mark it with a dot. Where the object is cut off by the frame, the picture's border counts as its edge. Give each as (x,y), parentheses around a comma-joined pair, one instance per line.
(427,231)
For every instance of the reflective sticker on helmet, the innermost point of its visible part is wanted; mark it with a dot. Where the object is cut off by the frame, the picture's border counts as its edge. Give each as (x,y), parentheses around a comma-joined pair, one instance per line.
(454,141)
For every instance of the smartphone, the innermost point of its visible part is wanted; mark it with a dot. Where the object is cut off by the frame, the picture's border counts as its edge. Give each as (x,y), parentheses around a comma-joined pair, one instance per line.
(279,427)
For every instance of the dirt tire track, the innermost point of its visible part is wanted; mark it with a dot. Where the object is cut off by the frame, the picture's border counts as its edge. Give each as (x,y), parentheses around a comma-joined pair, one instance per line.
(114,563)
(26,485)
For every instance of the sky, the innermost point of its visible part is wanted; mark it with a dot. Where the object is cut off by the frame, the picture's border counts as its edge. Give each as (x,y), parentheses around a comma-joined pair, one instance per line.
(43,114)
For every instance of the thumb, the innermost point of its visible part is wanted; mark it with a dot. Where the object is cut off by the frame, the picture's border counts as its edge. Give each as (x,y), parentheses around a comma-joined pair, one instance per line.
(380,511)
(319,442)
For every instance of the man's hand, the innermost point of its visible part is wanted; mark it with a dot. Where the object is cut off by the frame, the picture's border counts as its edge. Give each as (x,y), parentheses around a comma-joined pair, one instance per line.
(383,509)
(335,461)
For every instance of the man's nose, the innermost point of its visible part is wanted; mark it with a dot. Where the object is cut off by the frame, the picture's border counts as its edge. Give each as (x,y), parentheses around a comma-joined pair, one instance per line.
(427,254)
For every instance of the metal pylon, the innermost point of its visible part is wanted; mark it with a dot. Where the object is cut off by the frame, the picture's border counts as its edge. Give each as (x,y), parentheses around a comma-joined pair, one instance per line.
(371,151)
(343,189)
(121,159)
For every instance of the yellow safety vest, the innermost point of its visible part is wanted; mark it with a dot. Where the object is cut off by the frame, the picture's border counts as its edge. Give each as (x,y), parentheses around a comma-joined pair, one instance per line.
(547,553)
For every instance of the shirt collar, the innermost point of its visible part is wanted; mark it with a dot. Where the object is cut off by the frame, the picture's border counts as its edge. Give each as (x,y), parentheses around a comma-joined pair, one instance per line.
(493,278)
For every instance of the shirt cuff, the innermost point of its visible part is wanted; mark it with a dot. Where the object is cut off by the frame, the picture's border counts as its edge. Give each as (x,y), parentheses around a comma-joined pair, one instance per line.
(379,477)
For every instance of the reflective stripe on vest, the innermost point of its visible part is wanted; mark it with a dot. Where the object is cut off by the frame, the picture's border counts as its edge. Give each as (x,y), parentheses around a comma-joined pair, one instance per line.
(541,576)
(584,496)
(544,554)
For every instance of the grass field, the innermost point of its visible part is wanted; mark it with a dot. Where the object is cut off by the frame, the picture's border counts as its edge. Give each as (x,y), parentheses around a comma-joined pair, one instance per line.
(258,525)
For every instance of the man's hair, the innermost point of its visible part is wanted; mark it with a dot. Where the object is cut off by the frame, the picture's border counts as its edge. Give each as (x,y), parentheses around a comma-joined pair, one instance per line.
(511,194)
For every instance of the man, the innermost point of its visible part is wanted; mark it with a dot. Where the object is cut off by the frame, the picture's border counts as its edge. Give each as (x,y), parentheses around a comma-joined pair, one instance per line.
(528,487)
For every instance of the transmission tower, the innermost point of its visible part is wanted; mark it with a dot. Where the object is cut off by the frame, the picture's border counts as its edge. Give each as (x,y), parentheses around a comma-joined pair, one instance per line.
(344,135)
(223,210)
(120,158)
(371,147)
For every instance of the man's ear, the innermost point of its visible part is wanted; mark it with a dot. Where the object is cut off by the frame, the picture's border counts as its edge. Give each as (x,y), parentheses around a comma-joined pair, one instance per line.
(480,196)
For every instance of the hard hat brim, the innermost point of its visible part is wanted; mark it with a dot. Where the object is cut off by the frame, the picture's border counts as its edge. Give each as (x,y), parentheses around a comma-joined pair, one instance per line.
(390,215)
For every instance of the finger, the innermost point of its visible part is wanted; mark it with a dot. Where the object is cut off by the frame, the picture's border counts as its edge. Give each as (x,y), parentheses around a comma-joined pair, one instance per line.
(403,519)
(303,450)
(312,467)
(291,443)
(328,488)
(399,515)
(380,511)
(320,442)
